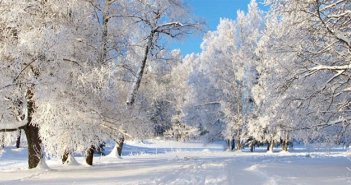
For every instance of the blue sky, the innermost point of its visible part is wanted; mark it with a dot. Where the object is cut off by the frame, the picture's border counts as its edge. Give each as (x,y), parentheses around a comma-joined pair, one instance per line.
(211,11)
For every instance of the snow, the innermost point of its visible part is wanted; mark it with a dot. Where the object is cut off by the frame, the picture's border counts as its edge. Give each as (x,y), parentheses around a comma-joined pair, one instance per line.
(151,162)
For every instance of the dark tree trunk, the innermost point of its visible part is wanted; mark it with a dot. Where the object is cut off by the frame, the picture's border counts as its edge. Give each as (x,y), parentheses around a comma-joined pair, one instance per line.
(34,148)
(228,144)
(139,76)
(18,140)
(65,157)
(232,144)
(32,134)
(252,145)
(89,155)
(268,145)
(2,142)
(285,143)
(252,148)
(120,146)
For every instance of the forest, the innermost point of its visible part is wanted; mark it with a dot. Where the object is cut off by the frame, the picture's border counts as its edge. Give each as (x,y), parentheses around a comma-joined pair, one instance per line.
(77,73)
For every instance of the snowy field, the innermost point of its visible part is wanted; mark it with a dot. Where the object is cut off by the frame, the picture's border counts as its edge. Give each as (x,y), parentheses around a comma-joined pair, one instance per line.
(160,162)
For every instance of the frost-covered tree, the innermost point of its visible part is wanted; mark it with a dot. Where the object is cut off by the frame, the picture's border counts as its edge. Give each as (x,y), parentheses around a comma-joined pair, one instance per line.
(201,107)
(227,73)
(247,33)
(181,132)
(305,76)
(35,44)
(163,89)
(68,65)
(159,20)
(46,49)
(323,63)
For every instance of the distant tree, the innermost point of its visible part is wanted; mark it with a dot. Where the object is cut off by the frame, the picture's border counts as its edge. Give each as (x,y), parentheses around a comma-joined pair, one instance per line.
(226,74)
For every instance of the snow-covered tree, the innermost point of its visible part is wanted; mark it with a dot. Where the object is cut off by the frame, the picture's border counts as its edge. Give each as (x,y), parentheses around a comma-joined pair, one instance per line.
(68,65)
(159,19)
(35,44)
(247,33)
(305,75)
(226,74)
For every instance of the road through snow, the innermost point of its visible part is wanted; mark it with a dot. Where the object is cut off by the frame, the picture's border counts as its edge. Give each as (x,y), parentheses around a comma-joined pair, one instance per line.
(185,167)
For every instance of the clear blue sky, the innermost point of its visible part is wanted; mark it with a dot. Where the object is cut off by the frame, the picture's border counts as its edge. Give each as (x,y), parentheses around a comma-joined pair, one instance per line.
(211,11)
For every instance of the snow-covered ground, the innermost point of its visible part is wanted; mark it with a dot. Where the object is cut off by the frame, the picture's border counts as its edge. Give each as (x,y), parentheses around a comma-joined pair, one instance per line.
(163,162)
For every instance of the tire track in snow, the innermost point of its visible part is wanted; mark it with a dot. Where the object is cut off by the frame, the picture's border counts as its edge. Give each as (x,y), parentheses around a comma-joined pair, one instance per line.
(193,171)
(34,175)
(26,178)
(256,169)
(242,171)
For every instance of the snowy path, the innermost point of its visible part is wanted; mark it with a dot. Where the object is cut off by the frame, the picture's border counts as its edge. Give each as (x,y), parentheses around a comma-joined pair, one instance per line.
(185,168)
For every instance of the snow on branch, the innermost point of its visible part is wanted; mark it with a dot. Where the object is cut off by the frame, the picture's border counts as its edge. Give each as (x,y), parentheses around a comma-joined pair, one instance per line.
(347,89)
(111,126)
(331,5)
(322,125)
(11,129)
(325,67)
(169,24)
(340,37)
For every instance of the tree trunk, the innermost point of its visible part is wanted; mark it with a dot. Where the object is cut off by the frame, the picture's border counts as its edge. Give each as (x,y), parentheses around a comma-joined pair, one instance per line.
(89,155)
(32,134)
(120,146)
(34,148)
(252,145)
(268,146)
(104,38)
(271,146)
(136,84)
(18,140)
(232,144)
(228,144)
(285,143)
(238,145)
(2,141)
(65,157)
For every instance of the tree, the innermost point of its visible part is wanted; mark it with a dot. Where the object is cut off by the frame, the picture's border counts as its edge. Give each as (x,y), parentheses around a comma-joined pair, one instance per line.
(163,89)
(27,54)
(158,18)
(247,33)
(306,53)
(226,74)
(48,57)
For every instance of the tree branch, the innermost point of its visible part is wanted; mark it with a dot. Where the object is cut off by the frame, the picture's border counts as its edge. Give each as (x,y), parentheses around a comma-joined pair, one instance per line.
(12,129)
